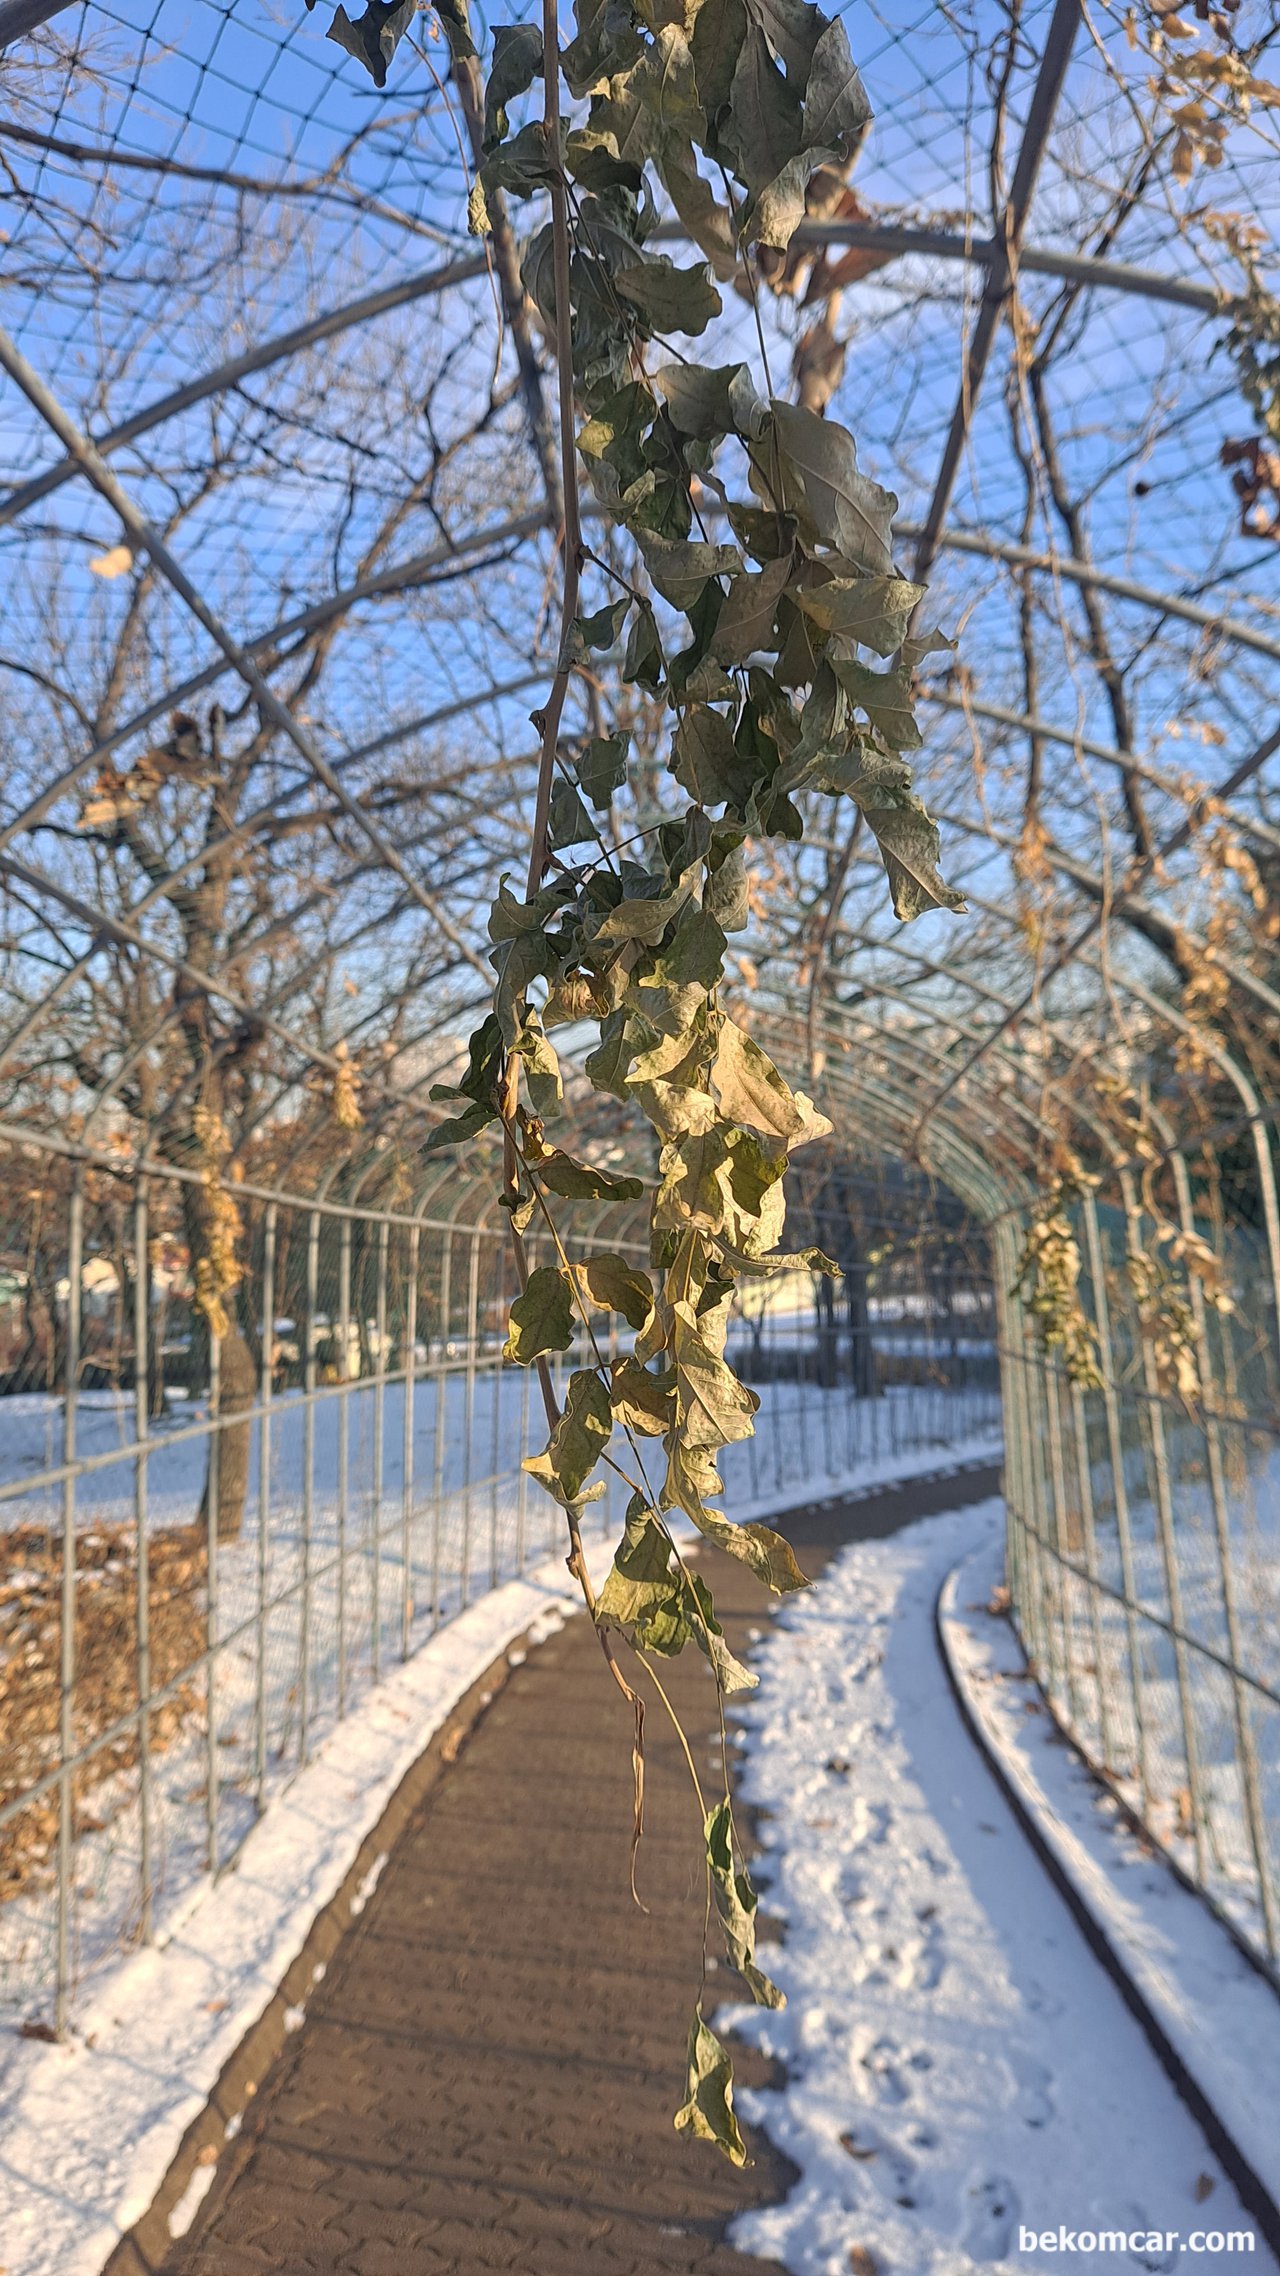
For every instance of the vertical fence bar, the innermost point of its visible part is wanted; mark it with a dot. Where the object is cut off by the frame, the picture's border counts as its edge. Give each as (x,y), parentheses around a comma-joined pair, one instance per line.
(495,1373)
(212,1476)
(522,1476)
(1080,1419)
(308,1484)
(410,1372)
(442,1424)
(142,1432)
(67,1641)
(266,1387)
(344,1449)
(1119,1486)
(1061,1527)
(379,1420)
(1246,1748)
(1168,1547)
(469,1410)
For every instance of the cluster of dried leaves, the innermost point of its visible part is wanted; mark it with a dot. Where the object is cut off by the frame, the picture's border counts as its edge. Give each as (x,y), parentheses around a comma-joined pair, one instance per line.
(777,657)
(106,1642)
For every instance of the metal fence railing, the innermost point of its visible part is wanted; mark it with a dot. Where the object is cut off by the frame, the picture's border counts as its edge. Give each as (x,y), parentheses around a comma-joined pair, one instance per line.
(213,1547)
(1142,1553)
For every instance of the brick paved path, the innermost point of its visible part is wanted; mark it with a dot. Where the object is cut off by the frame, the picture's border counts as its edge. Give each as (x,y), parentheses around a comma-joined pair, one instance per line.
(486,2075)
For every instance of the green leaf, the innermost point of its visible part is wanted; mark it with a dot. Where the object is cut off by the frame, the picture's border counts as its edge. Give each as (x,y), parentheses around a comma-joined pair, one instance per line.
(750,1089)
(580,1181)
(735,1902)
(778,208)
(680,571)
(726,894)
(458,1128)
(542,1319)
(850,512)
(644,1590)
(885,697)
(872,610)
(593,160)
(515,63)
(794,28)
(541,1067)
(908,840)
(836,110)
(607,42)
(576,1443)
(695,953)
(642,1401)
(670,299)
(691,1476)
(638,918)
(606,1067)
(707,762)
(374,37)
(715,43)
(602,768)
(745,623)
(522,165)
(454,18)
(612,1284)
(712,1407)
(923,644)
(601,630)
(707,2109)
(763,129)
(568,822)
(707,402)
(643,659)
(692,1188)
(484,1065)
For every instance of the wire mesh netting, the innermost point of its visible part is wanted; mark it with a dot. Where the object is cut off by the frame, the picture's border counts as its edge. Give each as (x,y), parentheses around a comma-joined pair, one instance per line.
(263,777)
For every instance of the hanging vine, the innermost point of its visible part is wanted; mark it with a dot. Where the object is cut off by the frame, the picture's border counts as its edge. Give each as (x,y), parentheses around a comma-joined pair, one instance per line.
(758,582)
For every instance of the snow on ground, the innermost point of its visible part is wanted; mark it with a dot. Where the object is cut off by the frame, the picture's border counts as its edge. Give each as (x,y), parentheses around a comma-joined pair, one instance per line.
(363,1556)
(960,2068)
(1217,2013)
(88,2129)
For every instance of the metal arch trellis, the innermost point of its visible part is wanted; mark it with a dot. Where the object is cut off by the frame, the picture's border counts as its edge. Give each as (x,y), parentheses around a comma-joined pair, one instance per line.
(1075,1073)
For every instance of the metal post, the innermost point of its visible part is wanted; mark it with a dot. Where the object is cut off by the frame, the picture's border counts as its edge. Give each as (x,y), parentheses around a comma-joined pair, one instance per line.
(344,1448)
(410,1388)
(1168,1547)
(522,1475)
(67,1668)
(1119,1487)
(442,1424)
(266,1387)
(1058,1480)
(1084,1474)
(211,1603)
(308,1483)
(379,1417)
(1246,1746)
(141,1432)
(473,1301)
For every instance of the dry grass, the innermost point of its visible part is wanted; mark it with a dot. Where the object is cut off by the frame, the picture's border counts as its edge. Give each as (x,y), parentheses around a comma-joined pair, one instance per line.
(106,1684)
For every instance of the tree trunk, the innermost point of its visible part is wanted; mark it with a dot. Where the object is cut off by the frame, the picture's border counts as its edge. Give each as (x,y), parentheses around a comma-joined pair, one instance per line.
(238,1382)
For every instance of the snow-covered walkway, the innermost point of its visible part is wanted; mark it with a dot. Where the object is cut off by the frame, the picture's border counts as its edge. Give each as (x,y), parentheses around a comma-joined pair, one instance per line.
(960,2068)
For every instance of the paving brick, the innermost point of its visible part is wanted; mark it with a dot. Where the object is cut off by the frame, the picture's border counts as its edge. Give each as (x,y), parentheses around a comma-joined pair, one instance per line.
(486,2077)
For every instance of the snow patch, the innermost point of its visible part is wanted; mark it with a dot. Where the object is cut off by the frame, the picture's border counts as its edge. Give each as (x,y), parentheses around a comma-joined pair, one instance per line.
(192,2198)
(90,2126)
(1221,2017)
(958,2063)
